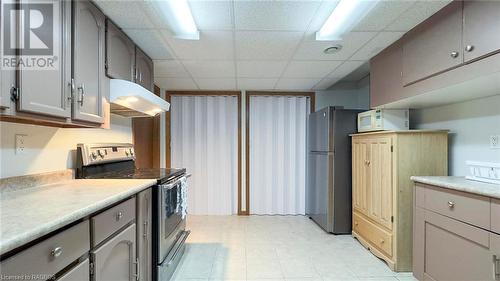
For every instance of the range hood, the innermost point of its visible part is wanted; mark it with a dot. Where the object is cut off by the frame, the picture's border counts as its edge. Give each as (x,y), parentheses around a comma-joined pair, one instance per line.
(132,100)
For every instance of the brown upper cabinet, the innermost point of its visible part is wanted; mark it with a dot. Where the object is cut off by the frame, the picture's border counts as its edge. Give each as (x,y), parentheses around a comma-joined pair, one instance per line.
(120,53)
(481,33)
(143,69)
(48,92)
(441,59)
(385,77)
(88,62)
(434,46)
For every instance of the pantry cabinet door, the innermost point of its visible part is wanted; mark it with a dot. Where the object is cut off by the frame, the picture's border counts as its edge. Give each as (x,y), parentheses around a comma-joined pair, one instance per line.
(435,45)
(120,54)
(88,59)
(380,191)
(144,70)
(481,33)
(360,175)
(46,91)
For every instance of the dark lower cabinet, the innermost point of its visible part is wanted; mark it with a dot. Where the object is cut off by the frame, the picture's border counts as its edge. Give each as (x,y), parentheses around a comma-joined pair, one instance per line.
(116,259)
(81,272)
(144,238)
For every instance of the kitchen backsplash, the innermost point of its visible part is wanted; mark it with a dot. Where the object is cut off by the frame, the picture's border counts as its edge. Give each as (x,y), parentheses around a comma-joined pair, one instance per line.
(471,124)
(51,149)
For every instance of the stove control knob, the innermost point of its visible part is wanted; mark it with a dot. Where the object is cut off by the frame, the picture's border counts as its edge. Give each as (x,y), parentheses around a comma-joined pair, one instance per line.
(100,154)
(131,152)
(93,155)
(126,153)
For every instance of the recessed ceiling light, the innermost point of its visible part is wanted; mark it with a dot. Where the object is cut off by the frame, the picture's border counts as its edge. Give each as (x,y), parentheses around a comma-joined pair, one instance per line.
(343,18)
(333,49)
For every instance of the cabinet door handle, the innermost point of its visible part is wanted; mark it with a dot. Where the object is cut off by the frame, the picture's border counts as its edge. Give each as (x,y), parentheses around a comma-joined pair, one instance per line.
(137,269)
(72,86)
(56,252)
(451,204)
(496,266)
(454,55)
(145,234)
(81,90)
(469,48)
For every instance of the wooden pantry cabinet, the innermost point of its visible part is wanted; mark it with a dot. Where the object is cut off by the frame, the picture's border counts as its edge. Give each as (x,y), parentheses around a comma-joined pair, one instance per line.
(382,164)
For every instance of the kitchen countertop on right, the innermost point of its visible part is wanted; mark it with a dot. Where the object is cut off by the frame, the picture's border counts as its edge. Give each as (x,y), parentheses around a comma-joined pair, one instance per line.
(461,184)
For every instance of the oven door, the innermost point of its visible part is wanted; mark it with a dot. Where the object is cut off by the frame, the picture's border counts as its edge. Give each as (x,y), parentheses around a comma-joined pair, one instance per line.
(171,224)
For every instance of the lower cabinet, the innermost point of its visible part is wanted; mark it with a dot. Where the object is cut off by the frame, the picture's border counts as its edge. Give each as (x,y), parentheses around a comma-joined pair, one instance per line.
(116,259)
(78,273)
(144,239)
(449,249)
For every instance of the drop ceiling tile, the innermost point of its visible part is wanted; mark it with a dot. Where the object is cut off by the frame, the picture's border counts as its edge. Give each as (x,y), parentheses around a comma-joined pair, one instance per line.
(129,14)
(310,69)
(169,68)
(213,45)
(296,84)
(175,83)
(377,44)
(346,68)
(417,13)
(210,69)
(212,15)
(216,83)
(266,45)
(260,69)
(326,83)
(313,50)
(151,42)
(384,13)
(274,15)
(256,83)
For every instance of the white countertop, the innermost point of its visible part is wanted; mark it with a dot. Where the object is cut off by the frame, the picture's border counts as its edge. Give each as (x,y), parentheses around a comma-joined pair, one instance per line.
(31,213)
(462,184)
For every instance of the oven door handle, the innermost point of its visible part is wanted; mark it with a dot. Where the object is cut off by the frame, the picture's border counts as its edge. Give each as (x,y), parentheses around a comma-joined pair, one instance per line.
(171,185)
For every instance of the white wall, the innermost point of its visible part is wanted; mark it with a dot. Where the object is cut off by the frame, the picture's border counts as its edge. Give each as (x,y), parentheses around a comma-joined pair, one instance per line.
(471,123)
(51,149)
(353,98)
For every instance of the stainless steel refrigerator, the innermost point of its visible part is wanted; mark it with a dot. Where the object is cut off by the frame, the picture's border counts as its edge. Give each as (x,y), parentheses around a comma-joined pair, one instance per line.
(328,190)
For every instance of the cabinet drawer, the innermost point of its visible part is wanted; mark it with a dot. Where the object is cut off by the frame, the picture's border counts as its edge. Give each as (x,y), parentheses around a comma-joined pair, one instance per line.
(495,215)
(373,234)
(469,208)
(111,220)
(78,273)
(51,255)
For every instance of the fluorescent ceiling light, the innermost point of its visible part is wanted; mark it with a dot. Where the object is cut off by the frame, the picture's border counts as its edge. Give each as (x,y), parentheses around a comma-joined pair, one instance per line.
(178,16)
(343,18)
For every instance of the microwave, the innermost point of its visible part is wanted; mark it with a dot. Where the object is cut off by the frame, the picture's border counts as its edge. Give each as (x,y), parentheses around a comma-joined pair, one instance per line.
(383,120)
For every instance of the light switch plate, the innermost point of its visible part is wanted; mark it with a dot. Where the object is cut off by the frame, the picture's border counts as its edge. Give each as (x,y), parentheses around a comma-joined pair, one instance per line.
(20,143)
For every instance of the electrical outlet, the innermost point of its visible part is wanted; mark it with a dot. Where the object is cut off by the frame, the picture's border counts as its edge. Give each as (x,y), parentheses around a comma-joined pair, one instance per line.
(495,142)
(20,144)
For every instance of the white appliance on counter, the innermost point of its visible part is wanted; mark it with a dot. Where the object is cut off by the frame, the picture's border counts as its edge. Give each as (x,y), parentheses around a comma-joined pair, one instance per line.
(384,120)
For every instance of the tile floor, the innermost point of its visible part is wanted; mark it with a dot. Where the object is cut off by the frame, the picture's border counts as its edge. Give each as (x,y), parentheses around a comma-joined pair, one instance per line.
(275,248)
